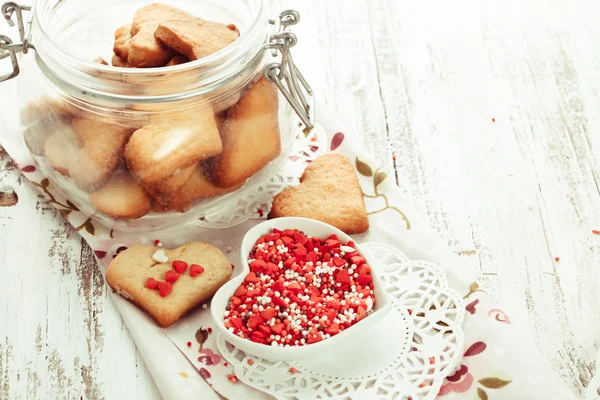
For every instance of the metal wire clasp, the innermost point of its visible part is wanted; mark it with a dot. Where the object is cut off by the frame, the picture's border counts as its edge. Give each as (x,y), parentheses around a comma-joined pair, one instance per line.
(7,47)
(285,74)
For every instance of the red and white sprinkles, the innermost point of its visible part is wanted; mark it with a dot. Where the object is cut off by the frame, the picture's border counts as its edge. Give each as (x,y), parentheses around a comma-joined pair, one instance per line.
(300,290)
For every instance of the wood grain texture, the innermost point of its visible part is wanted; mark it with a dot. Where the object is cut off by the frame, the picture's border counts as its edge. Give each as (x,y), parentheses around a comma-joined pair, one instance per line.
(60,334)
(492,113)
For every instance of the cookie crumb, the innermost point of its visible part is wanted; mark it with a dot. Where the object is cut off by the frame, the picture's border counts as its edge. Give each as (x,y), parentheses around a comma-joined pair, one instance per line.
(160,256)
(228,249)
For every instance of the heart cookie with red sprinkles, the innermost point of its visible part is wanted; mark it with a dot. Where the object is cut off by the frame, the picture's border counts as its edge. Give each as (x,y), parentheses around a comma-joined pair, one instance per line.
(329,192)
(168,283)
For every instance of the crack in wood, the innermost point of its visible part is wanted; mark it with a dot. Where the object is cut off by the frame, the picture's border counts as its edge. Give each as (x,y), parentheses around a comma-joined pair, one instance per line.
(5,368)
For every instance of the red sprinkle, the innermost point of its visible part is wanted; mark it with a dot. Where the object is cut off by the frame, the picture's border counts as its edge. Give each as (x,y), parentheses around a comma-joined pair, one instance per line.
(250,362)
(152,283)
(171,276)
(225,364)
(179,266)
(596,232)
(196,269)
(293,370)
(300,290)
(164,288)
(156,242)
(493,119)
(557,259)
(209,330)
(260,212)
(189,344)
(432,360)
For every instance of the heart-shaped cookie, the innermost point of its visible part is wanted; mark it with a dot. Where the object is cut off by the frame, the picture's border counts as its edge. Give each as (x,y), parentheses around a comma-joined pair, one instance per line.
(168,283)
(329,192)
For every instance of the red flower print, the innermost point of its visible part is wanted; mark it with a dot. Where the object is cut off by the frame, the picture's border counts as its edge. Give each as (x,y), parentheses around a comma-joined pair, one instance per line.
(460,382)
(28,168)
(336,141)
(100,253)
(499,316)
(204,373)
(471,307)
(209,357)
(475,348)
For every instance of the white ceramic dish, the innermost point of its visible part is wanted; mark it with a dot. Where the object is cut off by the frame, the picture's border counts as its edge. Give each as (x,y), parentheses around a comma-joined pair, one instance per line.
(315,229)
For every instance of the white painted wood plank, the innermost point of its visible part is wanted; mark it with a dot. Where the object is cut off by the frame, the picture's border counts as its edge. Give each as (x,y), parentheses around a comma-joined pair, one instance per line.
(60,335)
(514,193)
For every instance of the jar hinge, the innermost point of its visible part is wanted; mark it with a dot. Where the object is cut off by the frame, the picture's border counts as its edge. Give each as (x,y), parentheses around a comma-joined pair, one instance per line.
(285,74)
(7,47)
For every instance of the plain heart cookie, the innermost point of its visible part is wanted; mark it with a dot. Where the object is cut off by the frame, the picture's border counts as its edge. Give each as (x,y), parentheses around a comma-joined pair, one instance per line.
(329,192)
(168,283)
(196,38)
(122,197)
(250,135)
(144,49)
(169,145)
(122,41)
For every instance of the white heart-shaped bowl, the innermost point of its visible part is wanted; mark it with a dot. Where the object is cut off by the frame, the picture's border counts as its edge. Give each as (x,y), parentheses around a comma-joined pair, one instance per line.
(343,339)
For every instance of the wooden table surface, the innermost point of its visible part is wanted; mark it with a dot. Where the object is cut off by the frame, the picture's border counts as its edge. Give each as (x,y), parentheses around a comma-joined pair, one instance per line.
(488,112)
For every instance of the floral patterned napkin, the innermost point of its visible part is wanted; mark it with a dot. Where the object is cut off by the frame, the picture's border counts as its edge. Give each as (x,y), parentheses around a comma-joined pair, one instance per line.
(498,361)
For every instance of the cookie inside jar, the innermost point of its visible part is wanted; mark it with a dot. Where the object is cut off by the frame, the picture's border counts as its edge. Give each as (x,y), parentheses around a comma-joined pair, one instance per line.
(158,117)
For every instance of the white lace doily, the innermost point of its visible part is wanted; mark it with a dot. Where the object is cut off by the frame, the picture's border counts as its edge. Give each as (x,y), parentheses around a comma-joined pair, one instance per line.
(257,204)
(405,356)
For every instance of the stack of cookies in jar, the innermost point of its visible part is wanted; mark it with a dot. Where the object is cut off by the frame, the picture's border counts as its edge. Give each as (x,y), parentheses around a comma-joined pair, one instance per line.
(165,162)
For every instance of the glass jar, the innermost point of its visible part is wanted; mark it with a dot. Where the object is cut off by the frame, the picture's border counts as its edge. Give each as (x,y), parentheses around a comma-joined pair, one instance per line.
(140,149)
